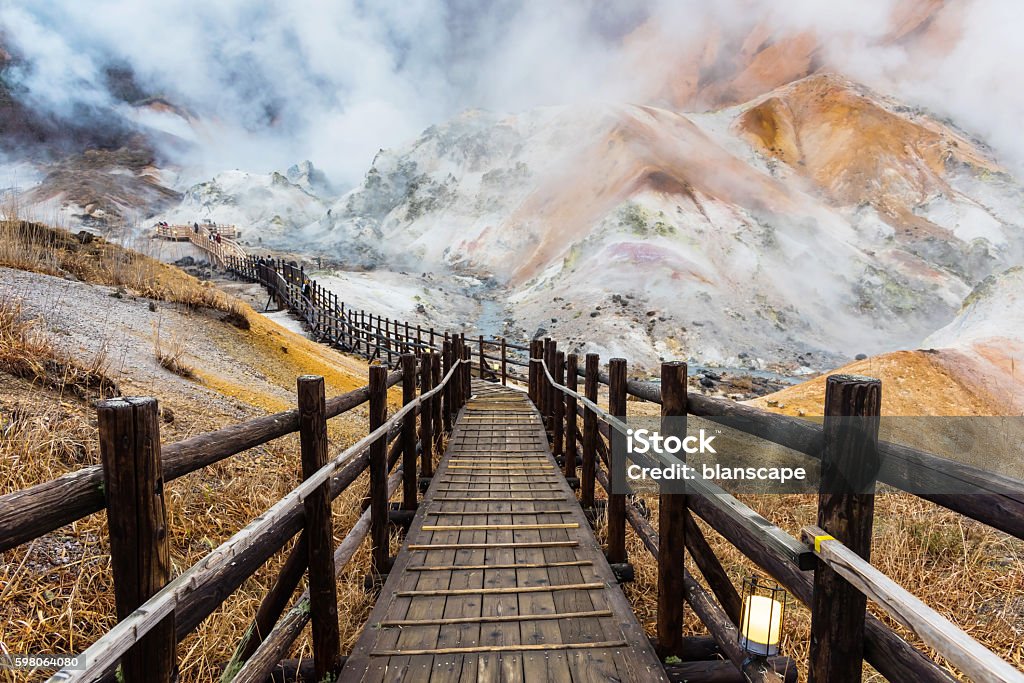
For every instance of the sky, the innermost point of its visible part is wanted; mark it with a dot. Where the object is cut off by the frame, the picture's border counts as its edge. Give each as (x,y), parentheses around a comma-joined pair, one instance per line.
(272,82)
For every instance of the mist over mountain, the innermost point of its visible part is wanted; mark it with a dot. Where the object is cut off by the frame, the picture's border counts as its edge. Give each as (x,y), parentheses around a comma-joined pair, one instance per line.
(261,85)
(744,183)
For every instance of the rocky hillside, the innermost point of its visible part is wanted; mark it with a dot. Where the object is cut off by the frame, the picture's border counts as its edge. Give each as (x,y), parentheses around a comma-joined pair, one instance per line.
(813,223)
(269,208)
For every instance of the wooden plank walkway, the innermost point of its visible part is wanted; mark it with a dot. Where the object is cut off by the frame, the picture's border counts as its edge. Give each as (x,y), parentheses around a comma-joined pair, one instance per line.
(500,577)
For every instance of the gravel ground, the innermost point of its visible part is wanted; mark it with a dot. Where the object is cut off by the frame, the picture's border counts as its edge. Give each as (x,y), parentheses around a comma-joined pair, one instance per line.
(238,373)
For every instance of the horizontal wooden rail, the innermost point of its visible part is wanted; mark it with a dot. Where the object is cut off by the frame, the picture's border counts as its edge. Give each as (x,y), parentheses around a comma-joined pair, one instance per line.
(884,649)
(40,509)
(200,603)
(274,647)
(987,497)
(895,658)
(105,652)
(967,654)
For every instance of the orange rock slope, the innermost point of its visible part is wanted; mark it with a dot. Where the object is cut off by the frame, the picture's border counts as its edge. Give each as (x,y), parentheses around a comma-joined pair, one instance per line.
(855,149)
(913,383)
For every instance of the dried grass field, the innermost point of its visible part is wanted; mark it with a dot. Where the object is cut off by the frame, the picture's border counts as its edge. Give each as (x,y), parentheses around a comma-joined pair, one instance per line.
(56,592)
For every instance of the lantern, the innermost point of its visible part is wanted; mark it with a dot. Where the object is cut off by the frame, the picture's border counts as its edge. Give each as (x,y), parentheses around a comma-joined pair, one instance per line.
(764,605)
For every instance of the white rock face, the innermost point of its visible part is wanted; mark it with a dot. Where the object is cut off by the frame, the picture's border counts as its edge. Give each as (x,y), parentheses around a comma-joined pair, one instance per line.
(270,209)
(668,236)
(988,338)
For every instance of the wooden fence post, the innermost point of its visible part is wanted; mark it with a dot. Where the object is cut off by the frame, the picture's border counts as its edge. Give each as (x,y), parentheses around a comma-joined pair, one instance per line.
(361,334)
(129,435)
(446,392)
(456,378)
(558,405)
(542,383)
(467,355)
(672,519)
(572,382)
(849,465)
(323,596)
(379,472)
(589,472)
(410,483)
(436,376)
(459,349)
(550,349)
(427,418)
(483,361)
(504,362)
(616,501)
(532,372)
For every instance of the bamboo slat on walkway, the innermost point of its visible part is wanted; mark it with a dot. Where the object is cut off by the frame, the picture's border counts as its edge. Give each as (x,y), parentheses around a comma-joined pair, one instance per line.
(500,576)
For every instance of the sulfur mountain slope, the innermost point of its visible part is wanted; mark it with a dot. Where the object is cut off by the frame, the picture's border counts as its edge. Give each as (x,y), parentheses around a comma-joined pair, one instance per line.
(728,53)
(811,224)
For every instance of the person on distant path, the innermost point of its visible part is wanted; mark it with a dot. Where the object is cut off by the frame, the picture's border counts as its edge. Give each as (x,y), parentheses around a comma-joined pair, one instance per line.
(195,228)
(217,238)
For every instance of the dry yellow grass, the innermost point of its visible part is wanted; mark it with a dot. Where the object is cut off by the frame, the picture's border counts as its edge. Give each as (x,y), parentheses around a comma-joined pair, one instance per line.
(56,592)
(27,352)
(38,248)
(969,572)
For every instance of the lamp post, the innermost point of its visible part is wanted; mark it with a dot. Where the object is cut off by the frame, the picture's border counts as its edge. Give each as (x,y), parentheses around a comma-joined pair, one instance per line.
(764,606)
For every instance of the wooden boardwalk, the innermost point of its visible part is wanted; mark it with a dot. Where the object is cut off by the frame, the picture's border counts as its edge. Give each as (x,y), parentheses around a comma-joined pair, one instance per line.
(500,576)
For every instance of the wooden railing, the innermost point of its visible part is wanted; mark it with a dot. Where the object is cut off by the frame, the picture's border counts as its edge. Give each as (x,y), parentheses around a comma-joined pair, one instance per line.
(169,609)
(372,336)
(836,587)
(155,611)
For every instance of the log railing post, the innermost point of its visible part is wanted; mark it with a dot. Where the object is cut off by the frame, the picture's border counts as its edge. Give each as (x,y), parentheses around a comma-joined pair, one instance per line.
(671,518)
(364,349)
(849,466)
(483,361)
(467,355)
(572,382)
(533,372)
(435,403)
(550,349)
(504,362)
(616,501)
(379,472)
(456,383)
(410,483)
(542,382)
(323,596)
(340,331)
(558,405)
(459,378)
(426,418)
(589,432)
(129,436)
(446,392)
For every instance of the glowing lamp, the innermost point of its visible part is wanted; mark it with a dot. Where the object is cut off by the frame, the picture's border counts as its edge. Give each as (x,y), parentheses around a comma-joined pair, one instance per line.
(764,603)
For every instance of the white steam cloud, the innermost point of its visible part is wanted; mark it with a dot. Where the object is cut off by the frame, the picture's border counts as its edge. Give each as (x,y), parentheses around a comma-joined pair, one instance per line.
(273,82)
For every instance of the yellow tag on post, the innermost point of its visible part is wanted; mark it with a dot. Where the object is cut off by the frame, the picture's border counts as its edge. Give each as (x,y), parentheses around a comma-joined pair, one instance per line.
(819,539)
